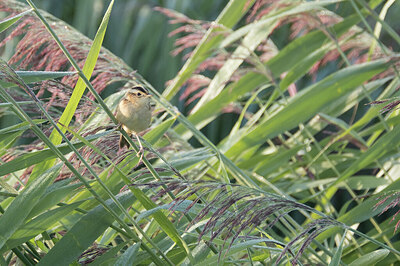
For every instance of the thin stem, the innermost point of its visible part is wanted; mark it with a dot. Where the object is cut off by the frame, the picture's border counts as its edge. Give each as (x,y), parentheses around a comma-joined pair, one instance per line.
(21,113)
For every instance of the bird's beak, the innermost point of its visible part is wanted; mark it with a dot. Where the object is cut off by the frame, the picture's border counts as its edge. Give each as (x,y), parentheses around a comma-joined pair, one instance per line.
(149,95)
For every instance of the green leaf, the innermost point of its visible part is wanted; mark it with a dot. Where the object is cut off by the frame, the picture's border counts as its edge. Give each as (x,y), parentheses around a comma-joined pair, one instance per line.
(39,224)
(235,249)
(276,160)
(158,131)
(114,181)
(84,232)
(345,127)
(338,254)
(128,257)
(182,207)
(300,49)
(18,210)
(250,42)
(256,33)
(10,134)
(211,109)
(363,211)
(308,102)
(376,151)
(338,107)
(232,13)
(53,195)
(10,21)
(8,139)
(371,258)
(32,158)
(183,160)
(200,253)
(360,182)
(166,225)
(79,89)
(306,45)
(20,127)
(109,256)
(35,76)
(303,66)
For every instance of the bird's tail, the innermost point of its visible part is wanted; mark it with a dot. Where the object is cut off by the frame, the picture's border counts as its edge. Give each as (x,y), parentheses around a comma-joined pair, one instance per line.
(123,142)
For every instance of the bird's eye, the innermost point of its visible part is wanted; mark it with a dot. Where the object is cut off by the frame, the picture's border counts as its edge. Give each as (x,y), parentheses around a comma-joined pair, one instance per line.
(139,94)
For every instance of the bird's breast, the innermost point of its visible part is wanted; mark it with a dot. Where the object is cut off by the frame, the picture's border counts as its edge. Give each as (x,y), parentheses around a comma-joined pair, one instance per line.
(133,117)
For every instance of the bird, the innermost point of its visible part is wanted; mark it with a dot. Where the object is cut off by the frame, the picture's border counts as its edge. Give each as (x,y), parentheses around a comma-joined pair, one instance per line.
(134,113)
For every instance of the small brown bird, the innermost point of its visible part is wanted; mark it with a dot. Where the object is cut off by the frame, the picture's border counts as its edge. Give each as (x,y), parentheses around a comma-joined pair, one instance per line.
(134,113)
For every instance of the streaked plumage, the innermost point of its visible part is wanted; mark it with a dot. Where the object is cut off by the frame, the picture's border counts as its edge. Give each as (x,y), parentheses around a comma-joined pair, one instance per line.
(134,112)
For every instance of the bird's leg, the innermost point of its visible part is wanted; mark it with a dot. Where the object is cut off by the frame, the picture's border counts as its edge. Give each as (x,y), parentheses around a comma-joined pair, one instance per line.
(119,126)
(141,150)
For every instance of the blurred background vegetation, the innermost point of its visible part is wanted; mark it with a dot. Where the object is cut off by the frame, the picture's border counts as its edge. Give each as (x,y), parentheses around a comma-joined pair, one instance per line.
(300,157)
(136,32)
(139,35)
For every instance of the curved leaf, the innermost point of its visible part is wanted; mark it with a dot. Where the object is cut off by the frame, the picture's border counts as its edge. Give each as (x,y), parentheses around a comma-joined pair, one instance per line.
(84,232)
(371,258)
(18,210)
(309,102)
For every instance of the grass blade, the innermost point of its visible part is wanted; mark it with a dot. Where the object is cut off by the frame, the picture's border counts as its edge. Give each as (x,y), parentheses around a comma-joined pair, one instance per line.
(129,255)
(36,157)
(18,210)
(5,24)
(35,76)
(38,225)
(79,89)
(84,232)
(228,18)
(371,258)
(309,102)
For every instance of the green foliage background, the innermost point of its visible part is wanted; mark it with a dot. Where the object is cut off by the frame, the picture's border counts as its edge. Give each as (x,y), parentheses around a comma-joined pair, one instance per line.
(283,159)
(136,33)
